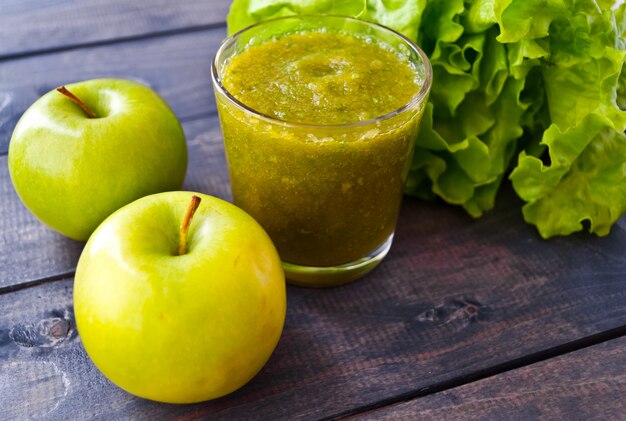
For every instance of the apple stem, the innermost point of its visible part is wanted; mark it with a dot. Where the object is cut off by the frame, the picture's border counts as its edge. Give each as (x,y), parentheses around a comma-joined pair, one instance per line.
(63,90)
(184,227)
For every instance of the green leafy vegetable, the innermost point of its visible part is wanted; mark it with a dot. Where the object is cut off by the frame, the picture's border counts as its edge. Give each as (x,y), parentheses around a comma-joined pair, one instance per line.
(543,77)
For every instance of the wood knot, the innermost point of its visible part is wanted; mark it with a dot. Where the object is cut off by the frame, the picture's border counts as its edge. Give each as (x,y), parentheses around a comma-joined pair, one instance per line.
(463,310)
(47,333)
(471,309)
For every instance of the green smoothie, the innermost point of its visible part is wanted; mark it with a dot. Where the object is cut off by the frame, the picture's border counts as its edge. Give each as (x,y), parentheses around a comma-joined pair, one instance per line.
(320,78)
(322,177)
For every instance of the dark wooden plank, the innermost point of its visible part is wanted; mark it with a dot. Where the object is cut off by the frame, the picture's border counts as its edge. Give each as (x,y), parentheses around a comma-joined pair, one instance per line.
(30,251)
(28,26)
(454,297)
(589,384)
(178,67)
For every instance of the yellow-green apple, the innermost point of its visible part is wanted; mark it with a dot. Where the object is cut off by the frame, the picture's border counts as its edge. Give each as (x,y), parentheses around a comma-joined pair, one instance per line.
(84,150)
(176,309)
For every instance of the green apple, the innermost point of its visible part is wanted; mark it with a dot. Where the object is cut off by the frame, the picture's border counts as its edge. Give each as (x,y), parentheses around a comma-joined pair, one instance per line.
(72,170)
(177,320)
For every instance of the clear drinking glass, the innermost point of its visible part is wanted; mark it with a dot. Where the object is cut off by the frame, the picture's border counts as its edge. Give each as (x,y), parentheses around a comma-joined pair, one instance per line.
(327,195)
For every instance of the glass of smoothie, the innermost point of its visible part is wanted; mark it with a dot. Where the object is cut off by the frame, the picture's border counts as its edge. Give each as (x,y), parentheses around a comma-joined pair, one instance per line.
(319,116)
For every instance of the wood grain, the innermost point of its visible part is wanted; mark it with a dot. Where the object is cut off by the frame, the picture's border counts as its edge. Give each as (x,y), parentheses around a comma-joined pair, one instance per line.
(454,297)
(177,67)
(589,384)
(31,251)
(29,26)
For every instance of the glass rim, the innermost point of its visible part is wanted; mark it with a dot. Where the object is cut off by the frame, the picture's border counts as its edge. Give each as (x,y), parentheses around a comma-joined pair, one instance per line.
(417,99)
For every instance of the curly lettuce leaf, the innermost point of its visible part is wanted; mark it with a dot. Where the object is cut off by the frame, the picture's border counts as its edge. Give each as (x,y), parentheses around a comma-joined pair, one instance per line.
(586,178)
(403,16)
(587,182)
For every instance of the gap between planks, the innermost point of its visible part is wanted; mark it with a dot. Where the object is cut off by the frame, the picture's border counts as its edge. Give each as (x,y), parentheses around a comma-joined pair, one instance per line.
(527,360)
(36,282)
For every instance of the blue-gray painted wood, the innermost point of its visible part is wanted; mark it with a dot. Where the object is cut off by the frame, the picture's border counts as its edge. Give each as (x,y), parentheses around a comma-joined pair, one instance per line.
(31,26)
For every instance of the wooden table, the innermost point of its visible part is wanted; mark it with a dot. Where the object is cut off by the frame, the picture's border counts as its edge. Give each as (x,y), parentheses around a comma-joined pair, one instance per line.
(464,320)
